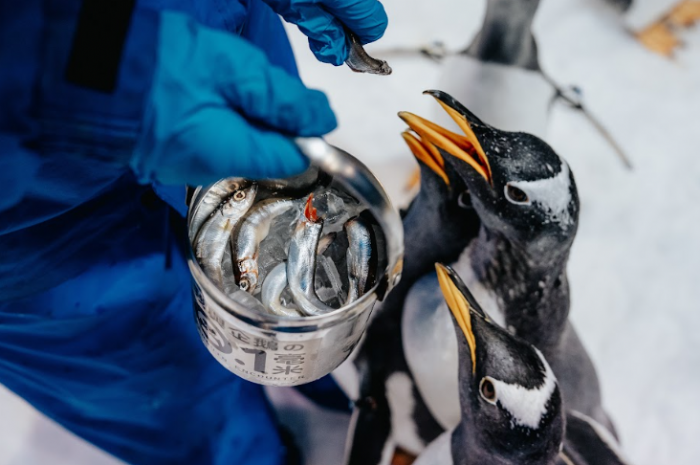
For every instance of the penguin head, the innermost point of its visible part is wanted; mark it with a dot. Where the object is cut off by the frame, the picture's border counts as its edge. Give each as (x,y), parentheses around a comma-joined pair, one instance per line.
(510,398)
(517,184)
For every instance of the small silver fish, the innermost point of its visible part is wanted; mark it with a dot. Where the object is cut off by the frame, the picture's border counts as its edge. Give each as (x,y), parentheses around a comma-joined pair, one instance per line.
(253,230)
(360,62)
(358,255)
(214,197)
(272,289)
(301,262)
(213,238)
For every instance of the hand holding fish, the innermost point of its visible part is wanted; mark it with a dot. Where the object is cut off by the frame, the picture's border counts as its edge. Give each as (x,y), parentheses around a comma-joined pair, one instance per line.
(330,25)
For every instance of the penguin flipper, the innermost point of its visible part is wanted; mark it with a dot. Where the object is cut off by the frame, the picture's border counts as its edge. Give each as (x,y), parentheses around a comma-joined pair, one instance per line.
(588,442)
(369,441)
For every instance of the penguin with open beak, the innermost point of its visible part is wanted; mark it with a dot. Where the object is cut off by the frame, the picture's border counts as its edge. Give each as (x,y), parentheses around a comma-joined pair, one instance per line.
(510,403)
(526,199)
(380,363)
(527,206)
(512,412)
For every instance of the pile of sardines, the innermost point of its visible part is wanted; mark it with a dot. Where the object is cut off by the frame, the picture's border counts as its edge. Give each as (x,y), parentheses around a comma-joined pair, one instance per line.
(300,247)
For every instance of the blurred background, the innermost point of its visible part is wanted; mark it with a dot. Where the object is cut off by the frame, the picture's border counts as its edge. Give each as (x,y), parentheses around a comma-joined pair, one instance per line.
(635,265)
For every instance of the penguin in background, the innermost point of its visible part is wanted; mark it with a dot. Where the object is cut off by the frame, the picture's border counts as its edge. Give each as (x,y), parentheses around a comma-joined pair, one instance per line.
(437,226)
(512,411)
(498,75)
(527,203)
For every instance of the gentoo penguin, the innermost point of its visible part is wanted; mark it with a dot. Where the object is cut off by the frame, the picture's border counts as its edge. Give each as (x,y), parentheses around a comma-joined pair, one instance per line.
(498,75)
(511,407)
(526,199)
(437,226)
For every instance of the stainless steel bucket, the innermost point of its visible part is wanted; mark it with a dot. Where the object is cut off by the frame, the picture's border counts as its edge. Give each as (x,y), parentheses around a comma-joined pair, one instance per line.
(281,351)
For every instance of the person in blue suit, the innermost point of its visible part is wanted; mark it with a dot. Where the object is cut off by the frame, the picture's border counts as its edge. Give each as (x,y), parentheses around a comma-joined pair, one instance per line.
(107,110)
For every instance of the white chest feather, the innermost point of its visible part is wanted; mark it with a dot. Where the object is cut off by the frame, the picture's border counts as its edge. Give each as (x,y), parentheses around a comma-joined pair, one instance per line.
(486,297)
(439,452)
(399,388)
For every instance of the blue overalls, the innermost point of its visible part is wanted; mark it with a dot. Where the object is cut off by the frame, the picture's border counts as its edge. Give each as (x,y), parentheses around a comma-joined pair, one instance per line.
(96,324)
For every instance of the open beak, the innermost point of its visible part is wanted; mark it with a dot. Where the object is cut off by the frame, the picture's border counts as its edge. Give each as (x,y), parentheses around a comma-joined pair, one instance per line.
(458,304)
(426,153)
(432,136)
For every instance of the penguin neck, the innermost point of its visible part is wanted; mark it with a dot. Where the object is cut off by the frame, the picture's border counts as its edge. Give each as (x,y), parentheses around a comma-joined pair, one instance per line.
(436,229)
(532,292)
(465,448)
(506,34)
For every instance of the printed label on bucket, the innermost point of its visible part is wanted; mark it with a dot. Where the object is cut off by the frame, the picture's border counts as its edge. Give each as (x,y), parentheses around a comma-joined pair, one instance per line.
(260,357)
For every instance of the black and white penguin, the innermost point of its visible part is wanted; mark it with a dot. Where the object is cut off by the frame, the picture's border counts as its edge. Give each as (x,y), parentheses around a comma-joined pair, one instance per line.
(511,407)
(527,203)
(498,75)
(379,361)
(510,403)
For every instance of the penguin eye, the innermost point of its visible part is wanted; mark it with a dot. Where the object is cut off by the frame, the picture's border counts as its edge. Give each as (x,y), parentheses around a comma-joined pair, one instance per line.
(515,195)
(464,200)
(488,390)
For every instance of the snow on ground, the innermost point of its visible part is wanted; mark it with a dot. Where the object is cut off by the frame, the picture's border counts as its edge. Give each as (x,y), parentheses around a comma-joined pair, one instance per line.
(635,266)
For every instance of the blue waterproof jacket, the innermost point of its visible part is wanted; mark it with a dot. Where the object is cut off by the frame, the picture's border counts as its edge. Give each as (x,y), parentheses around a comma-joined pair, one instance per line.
(96,323)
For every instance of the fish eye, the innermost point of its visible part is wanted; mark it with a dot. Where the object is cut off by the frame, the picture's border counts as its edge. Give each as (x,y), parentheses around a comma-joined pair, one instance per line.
(244,284)
(515,195)
(488,390)
(464,200)
(240,195)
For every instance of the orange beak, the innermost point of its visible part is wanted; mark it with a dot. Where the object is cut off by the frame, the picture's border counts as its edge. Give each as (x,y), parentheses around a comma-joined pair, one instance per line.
(426,153)
(432,136)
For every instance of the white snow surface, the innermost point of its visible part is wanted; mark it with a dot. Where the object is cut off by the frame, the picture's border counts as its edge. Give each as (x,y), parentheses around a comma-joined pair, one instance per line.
(635,265)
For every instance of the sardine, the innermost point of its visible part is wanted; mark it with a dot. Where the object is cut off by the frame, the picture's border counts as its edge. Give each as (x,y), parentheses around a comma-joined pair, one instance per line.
(213,199)
(272,289)
(360,62)
(214,237)
(301,262)
(253,230)
(358,255)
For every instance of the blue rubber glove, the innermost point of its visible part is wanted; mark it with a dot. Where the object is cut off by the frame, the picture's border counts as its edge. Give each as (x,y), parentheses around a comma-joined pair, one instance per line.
(322,22)
(207,88)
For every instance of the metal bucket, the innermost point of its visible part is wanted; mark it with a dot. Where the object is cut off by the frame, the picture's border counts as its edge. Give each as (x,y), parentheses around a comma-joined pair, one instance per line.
(282,351)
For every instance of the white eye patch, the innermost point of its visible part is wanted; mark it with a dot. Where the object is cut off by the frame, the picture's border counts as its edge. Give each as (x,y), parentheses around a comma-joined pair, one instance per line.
(527,406)
(553,194)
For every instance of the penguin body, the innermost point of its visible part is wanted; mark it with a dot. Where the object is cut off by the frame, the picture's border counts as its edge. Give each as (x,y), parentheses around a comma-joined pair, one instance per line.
(499,76)
(587,442)
(384,378)
(508,97)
